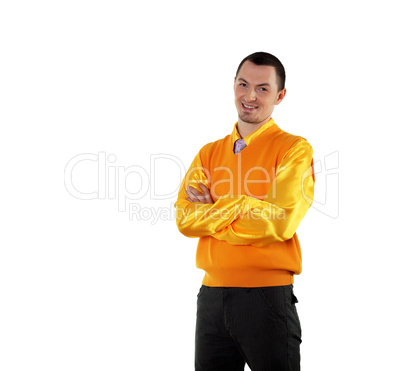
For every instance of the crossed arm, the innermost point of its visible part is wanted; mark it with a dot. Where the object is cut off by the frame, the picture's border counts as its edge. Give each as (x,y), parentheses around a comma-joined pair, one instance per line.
(245,220)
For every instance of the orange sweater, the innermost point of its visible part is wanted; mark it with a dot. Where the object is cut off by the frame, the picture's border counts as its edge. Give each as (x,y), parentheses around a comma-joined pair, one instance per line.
(248,236)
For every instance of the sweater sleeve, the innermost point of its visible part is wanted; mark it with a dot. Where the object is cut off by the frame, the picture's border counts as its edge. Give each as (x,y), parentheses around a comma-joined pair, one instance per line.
(196,219)
(277,217)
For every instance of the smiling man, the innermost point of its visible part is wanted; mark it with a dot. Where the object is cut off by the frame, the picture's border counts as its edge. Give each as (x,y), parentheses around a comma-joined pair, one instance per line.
(244,197)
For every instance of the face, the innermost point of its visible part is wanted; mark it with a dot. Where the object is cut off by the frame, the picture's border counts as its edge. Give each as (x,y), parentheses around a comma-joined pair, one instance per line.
(256,92)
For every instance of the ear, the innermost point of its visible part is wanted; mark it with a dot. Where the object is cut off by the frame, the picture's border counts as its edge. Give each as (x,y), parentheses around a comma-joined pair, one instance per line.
(281,95)
(234,83)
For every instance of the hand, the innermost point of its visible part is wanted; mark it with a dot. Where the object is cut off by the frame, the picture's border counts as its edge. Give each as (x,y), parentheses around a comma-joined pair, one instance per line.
(196,196)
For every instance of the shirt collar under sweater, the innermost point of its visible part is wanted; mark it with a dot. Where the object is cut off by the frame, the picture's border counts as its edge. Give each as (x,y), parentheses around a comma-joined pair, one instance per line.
(249,138)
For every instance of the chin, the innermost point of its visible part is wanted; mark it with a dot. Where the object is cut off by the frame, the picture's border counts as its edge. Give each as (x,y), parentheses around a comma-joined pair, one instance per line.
(249,120)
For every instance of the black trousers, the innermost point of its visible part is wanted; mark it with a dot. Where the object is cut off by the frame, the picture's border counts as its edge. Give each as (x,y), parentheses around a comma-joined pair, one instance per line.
(236,325)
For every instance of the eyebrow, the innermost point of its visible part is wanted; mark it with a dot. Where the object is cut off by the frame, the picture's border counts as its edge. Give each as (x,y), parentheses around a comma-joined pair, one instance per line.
(264,84)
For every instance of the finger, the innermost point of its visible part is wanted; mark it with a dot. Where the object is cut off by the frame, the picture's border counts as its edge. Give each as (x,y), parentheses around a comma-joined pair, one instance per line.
(207,194)
(191,198)
(195,194)
(203,197)
(194,191)
(191,192)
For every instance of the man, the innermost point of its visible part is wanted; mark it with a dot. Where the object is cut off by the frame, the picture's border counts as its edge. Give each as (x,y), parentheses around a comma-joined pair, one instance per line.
(244,196)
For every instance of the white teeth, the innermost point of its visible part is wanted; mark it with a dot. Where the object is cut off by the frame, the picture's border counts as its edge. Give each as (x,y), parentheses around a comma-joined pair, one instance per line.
(250,107)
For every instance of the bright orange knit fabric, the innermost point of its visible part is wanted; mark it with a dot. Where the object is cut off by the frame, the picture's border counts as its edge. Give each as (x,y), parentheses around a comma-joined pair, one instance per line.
(247,238)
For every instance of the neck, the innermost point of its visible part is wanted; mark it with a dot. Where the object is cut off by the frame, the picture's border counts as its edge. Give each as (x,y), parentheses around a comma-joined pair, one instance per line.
(246,128)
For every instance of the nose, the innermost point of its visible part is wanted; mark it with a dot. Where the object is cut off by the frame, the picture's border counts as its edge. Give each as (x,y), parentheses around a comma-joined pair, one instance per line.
(250,95)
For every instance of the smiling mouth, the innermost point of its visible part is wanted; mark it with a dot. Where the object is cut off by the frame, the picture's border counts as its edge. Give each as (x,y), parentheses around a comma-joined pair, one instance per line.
(249,107)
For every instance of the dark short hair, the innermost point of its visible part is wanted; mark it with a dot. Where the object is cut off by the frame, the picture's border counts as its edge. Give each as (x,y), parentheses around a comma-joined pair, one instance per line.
(266,59)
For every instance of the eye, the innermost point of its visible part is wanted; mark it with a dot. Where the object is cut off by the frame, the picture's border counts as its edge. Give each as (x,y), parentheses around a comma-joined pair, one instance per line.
(242,84)
(263,89)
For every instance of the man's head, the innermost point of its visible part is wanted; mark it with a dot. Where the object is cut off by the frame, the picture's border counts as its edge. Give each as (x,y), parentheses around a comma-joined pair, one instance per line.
(266,59)
(259,86)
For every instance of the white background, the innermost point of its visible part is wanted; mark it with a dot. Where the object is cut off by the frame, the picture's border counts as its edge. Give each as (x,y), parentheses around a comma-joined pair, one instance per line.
(83,287)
